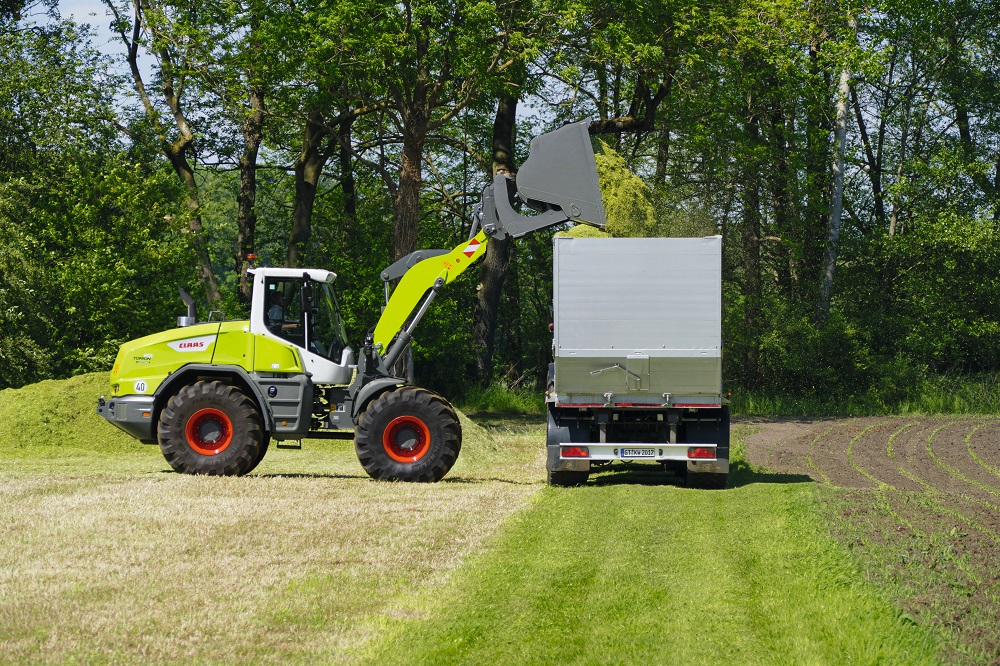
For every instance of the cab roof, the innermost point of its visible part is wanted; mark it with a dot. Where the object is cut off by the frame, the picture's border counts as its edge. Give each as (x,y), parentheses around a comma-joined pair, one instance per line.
(317,274)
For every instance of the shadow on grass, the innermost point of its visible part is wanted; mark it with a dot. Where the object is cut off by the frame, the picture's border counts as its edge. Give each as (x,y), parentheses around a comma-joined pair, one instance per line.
(617,474)
(365,477)
(308,475)
(740,474)
(488,479)
(497,419)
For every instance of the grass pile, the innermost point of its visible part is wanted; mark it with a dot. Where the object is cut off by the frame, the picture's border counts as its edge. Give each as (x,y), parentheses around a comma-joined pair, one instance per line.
(500,398)
(628,201)
(57,413)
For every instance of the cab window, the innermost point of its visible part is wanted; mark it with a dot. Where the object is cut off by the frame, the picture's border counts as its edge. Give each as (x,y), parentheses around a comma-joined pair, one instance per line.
(321,330)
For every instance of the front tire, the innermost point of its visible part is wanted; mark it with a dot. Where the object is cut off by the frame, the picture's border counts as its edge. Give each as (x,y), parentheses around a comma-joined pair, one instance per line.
(211,428)
(408,434)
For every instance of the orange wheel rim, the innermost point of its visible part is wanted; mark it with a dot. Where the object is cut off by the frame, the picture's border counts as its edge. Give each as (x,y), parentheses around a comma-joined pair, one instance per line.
(406,439)
(209,431)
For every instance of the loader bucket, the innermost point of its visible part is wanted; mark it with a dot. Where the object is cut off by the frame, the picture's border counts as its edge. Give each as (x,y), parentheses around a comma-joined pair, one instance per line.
(561,171)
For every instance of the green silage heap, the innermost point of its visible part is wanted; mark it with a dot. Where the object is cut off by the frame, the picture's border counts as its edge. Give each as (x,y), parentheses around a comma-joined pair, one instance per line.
(628,202)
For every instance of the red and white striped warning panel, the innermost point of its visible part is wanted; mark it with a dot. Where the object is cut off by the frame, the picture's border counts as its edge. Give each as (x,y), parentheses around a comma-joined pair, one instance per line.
(471,248)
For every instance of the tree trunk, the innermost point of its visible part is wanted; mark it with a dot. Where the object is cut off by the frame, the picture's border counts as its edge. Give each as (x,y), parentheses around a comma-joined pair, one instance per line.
(175,151)
(779,184)
(406,203)
(406,211)
(817,163)
(833,232)
(308,169)
(347,176)
(903,138)
(195,227)
(662,156)
(246,199)
(996,193)
(497,259)
(874,167)
(751,228)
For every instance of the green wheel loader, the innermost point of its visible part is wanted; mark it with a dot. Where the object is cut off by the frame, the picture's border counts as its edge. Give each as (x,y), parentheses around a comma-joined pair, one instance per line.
(213,395)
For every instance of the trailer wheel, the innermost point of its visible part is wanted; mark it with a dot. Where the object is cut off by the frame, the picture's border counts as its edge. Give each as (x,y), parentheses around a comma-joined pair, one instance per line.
(211,428)
(568,478)
(408,434)
(706,480)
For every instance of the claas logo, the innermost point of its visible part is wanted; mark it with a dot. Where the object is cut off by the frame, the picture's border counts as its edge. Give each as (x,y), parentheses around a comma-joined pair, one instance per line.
(192,344)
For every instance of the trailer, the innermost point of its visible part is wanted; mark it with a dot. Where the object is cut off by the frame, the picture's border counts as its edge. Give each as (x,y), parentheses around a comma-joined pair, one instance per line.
(637,349)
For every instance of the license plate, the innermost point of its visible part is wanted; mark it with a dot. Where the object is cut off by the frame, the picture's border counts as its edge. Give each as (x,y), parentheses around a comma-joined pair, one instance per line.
(638,453)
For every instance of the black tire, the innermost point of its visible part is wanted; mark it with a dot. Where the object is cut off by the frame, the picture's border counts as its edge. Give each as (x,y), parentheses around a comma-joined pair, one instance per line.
(568,478)
(408,434)
(260,453)
(210,414)
(706,480)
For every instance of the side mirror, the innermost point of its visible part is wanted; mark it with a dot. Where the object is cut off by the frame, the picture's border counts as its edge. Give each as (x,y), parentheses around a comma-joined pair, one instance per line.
(305,295)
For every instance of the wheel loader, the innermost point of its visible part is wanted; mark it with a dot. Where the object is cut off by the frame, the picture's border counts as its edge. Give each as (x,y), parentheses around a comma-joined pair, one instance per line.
(213,395)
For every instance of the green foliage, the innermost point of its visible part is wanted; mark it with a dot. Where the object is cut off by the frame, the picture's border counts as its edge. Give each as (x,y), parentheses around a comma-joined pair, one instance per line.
(912,393)
(727,116)
(90,248)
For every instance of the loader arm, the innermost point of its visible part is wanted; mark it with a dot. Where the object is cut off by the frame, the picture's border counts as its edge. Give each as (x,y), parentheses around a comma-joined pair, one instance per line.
(558,182)
(423,276)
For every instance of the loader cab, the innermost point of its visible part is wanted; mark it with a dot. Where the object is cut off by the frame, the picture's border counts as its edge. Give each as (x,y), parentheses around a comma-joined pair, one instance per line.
(299,307)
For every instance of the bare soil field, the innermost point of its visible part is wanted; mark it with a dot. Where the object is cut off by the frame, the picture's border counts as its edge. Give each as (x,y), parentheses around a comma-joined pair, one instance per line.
(918,501)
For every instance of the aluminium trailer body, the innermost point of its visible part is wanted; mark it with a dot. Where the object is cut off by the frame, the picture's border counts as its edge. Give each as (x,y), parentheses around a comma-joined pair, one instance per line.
(637,347)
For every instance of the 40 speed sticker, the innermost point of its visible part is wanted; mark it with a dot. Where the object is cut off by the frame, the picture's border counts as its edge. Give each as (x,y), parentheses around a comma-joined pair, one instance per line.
(140,386)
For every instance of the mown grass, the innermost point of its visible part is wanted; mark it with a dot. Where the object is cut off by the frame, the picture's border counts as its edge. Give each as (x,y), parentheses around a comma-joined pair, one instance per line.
(624,572)
(107,556)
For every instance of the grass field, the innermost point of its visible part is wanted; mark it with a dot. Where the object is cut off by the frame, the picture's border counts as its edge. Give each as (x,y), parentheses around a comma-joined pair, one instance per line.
(107,556)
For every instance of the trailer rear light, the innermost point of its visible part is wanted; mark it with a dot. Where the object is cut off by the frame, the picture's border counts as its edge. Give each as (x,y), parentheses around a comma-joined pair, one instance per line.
(576,452)
(701,452)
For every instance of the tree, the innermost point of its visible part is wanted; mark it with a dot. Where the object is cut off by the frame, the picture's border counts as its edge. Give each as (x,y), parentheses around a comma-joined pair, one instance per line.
(171,33)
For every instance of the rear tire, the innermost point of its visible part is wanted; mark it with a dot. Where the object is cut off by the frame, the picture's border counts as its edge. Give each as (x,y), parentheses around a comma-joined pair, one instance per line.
(211,428)
(706,480)
(408,434)
(568,478)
